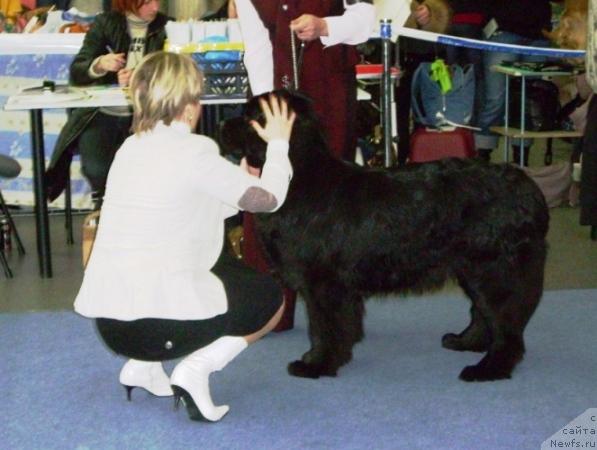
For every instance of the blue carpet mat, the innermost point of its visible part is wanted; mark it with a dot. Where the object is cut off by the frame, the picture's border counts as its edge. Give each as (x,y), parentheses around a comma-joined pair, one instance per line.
(60,386)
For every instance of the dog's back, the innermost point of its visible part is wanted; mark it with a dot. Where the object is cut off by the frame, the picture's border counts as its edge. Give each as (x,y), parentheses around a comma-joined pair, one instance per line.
(422,218)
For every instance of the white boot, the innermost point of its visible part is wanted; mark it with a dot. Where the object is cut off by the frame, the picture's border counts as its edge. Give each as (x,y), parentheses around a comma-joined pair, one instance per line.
(147,375)
(190,378)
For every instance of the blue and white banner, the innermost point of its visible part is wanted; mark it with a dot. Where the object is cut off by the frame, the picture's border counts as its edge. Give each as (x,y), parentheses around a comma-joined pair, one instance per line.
(484,45)
(18,70)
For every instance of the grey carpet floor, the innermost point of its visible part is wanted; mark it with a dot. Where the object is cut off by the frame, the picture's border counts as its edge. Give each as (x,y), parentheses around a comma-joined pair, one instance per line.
(60,386)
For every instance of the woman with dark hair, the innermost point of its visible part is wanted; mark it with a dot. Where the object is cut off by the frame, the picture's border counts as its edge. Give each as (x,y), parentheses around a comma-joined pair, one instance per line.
(112,48)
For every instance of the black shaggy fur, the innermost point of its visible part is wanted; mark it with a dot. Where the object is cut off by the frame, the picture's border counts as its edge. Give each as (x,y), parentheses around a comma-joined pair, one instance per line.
(345,233)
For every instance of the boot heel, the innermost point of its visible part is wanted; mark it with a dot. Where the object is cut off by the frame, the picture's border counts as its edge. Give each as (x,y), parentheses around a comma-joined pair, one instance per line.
(129,389)
(189,403)
(177,397)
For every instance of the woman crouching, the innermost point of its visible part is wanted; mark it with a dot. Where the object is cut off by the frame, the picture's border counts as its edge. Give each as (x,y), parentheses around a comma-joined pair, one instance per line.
(157,282)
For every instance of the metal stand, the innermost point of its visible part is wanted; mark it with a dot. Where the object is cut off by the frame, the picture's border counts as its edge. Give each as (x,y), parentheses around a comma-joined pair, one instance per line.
(386,83)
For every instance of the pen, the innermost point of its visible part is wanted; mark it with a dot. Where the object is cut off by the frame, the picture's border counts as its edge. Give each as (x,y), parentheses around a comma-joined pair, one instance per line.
(109,49)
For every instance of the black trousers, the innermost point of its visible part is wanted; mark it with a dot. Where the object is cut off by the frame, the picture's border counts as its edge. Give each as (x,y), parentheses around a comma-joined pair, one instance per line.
(588,180)
(253,299)
(98,144)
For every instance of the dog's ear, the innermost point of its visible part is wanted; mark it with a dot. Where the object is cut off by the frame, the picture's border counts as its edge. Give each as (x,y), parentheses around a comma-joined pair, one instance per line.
(232,137)
(298,101)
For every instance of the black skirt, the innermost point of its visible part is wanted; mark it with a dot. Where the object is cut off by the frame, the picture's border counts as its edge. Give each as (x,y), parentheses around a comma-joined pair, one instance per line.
(253,299)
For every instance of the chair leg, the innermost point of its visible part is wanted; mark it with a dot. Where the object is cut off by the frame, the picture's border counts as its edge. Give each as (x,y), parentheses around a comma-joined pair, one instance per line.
(548,159)
(68,211)
(5,265)
(13,228)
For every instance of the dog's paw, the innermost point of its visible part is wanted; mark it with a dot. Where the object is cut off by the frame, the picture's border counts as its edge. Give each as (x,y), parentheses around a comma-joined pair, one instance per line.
(455,342)
(305,370)
(482,372)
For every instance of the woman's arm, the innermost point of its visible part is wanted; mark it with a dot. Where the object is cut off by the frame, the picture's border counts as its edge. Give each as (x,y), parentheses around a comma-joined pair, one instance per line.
(353,27)
(233,185)
(95,51)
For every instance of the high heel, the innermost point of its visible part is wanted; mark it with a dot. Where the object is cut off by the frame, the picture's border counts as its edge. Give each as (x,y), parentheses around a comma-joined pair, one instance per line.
(128,391)
(192,410)
(190,378)
(147,375)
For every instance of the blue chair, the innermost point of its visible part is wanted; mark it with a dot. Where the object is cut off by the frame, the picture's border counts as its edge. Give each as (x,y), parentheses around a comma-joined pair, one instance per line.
(9,168)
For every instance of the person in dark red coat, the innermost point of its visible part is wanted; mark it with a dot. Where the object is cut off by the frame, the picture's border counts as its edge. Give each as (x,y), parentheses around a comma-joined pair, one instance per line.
(326,32)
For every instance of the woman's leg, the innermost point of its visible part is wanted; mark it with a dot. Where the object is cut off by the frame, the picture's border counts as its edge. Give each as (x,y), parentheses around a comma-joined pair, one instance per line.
(98,144)
(254,308)
(491,110)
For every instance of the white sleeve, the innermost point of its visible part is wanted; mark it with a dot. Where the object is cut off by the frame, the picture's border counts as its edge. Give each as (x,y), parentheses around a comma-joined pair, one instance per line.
(227,182)
(258,58)
(353,27)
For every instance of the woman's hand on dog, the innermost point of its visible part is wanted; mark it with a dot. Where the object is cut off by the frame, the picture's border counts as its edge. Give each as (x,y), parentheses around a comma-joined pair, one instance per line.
(278,120)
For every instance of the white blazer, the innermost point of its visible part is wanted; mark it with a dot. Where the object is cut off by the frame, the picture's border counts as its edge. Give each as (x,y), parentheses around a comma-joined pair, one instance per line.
(162,226)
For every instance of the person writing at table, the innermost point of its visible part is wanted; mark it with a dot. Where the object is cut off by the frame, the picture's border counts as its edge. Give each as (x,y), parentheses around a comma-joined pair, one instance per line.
(156,282)
(111,49)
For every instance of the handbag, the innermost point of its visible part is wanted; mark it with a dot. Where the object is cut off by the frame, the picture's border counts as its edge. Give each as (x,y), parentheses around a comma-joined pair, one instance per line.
(433,108)
(542,104)
(554,181)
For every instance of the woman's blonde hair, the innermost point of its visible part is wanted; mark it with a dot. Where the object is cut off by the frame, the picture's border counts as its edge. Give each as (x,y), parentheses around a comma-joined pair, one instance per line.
(161,86)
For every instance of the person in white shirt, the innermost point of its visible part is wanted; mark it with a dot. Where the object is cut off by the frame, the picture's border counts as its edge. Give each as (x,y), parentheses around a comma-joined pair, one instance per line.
(157,281)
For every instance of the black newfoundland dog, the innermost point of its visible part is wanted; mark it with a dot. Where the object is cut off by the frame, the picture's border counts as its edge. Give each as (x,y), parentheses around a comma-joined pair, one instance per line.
(346,232)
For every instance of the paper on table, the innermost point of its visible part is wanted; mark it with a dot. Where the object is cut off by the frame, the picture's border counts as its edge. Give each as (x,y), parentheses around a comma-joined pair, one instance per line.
(112,94)
(35,95)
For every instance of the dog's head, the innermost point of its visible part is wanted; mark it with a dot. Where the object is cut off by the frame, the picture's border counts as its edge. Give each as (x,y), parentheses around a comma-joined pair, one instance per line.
(238,138)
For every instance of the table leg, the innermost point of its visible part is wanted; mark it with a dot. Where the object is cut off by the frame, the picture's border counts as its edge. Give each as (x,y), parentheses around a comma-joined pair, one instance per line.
(523,95)
(39,186)
(507,119)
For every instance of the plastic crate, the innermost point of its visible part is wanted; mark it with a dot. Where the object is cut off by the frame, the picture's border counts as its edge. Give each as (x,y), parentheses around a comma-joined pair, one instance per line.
(227,79)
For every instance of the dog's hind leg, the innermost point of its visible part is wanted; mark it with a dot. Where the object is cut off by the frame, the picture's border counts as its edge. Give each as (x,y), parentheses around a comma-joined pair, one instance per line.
(475,337)
(335,325)
(358,311)
(507,307)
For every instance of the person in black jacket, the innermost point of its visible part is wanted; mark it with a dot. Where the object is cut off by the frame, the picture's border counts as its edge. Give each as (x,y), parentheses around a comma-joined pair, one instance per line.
(111,49)
(518,23)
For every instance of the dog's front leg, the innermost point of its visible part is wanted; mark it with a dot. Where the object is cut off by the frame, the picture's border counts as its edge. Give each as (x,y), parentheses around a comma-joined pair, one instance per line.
(332,331)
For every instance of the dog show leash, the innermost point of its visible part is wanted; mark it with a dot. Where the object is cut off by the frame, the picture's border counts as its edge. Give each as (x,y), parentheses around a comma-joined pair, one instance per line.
(297,60)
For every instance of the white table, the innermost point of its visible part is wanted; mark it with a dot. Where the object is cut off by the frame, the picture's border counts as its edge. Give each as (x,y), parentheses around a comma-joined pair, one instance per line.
(64,98)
